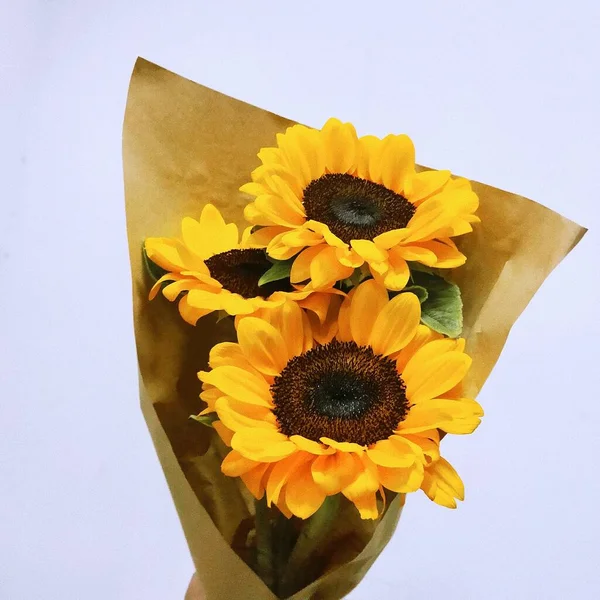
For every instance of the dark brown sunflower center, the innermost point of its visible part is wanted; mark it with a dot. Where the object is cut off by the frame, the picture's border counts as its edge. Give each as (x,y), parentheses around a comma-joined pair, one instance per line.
(355,208)
(341,391)
(240,270)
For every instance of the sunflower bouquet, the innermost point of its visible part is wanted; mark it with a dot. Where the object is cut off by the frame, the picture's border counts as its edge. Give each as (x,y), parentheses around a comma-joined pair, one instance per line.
(318,354)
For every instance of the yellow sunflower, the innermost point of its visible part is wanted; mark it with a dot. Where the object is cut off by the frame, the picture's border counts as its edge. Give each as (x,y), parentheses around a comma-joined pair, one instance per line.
(210,269)
(355,412)
(338,202)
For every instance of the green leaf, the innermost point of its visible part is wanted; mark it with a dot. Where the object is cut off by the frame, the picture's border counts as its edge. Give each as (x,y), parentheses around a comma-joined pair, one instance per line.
(154,271)
(222,314)
(357,277)
(207,420)
(419,291)
(313,535)
(280,270)
(442,310)
(420,268)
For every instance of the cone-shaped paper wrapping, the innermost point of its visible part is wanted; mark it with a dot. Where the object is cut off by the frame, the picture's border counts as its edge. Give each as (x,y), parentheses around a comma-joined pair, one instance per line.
(185,145)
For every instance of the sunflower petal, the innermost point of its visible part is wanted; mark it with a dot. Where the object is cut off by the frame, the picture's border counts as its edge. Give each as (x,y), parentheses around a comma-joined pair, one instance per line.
(391,238)
(191,314)
(254,189)
(239,384)
(452,416)
(349,257)
(367,250)
(301,267)
(431,216)
(369,149)
(316,152)
(401,480)
(310,144)
(172,291)
(156,287)
(317,303)
(363,490)
(324,332)
(431,349)
(415,253)
(279,250)
(455,227)
(224,432)
(447,255)
(287,319)
(334,472)
(330,238)
(262,237)
(281,473)
(205,298)
(432,379)
(442,484)
(325,269)
(260,174)
(397,275)
(441,212)
(299,238)
(270,156)
(230,354)
(234,464)
(422,337)
(279,187)
(344,333)
(397,161)
(192,236)
(202,240)
(393,452)
(434,348)
(341,145)
(255,216)
(210,395)
(300,153)
(172,255)
(396,324)
(255,479)
(215,235)
(283,507)
(262,445)
(311,446)
(428,441)
(418,421)
(426,184)
(227,353)
(308,340)
(262,345)
(236,419)
(279,211)
(343,446)
(234,304)
(302,495)
(368,301)
(366,505)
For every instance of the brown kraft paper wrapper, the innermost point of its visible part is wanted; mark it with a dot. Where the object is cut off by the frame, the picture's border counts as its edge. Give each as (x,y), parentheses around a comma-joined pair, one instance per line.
(185,145)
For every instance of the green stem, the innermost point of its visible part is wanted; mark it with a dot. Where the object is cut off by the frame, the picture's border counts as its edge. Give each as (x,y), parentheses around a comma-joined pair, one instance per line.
(314,532)
(284,537)
(264,543)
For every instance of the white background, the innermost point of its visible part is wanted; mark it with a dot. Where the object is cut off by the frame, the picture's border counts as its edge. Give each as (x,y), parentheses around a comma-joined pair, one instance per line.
(502,92)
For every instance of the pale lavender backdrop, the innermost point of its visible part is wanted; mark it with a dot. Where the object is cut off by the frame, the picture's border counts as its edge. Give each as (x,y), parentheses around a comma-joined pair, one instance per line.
(503,92)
